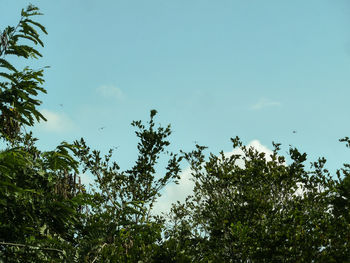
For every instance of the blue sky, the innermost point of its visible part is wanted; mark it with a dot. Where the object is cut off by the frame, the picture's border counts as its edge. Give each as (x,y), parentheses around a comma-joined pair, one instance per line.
(213,69)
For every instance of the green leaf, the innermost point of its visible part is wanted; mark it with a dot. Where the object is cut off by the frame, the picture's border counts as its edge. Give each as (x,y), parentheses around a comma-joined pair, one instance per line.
(36,24)
(7,65)
(8,76)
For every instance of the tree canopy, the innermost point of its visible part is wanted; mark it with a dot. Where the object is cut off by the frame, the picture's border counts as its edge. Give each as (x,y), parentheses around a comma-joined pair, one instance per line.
(247,207)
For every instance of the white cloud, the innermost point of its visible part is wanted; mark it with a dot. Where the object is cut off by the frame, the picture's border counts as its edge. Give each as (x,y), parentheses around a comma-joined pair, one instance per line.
(254,144)
(173,193)
(263,103)
(261,148)
(110,91)
(56,122)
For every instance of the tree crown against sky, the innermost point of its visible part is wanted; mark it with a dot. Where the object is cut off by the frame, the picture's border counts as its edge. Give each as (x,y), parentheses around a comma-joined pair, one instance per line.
(248,206)
(270,68)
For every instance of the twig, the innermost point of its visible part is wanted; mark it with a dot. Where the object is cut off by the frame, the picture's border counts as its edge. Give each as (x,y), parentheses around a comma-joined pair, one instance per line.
(98,252)
(32,247)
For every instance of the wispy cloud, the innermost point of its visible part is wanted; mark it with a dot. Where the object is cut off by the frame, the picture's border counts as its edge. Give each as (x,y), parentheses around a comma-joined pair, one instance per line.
(56,122)
(264,103)
(110,91)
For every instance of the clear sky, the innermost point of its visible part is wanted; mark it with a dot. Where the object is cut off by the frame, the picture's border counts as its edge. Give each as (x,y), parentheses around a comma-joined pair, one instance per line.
(213,69)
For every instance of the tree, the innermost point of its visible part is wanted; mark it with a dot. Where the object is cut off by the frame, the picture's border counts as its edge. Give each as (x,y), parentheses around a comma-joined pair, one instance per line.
(37,215)
(264,211)
(120,226)
(18,104)
(41,215)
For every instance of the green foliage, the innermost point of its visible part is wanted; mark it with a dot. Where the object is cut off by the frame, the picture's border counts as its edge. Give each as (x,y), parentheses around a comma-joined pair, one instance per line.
(244,208)
(120,226)
(262,211)
(19,88)
(33,210)
(37,217)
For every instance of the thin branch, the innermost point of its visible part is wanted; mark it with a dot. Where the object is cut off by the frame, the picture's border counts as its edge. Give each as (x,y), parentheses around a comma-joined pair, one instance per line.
(99,252)
(32,247)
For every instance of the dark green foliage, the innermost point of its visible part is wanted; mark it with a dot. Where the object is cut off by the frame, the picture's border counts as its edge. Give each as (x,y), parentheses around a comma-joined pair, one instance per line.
(33,210)
(263,210)
(39,202)
(245,207)
(19,88)
(121,226)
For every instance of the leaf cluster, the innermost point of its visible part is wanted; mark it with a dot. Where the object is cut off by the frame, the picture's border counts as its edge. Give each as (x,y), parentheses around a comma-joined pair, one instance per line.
(19,88)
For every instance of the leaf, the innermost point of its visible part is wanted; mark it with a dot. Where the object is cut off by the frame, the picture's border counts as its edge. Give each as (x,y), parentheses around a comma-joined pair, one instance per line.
(7,65)
(37,24)
(8,76)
